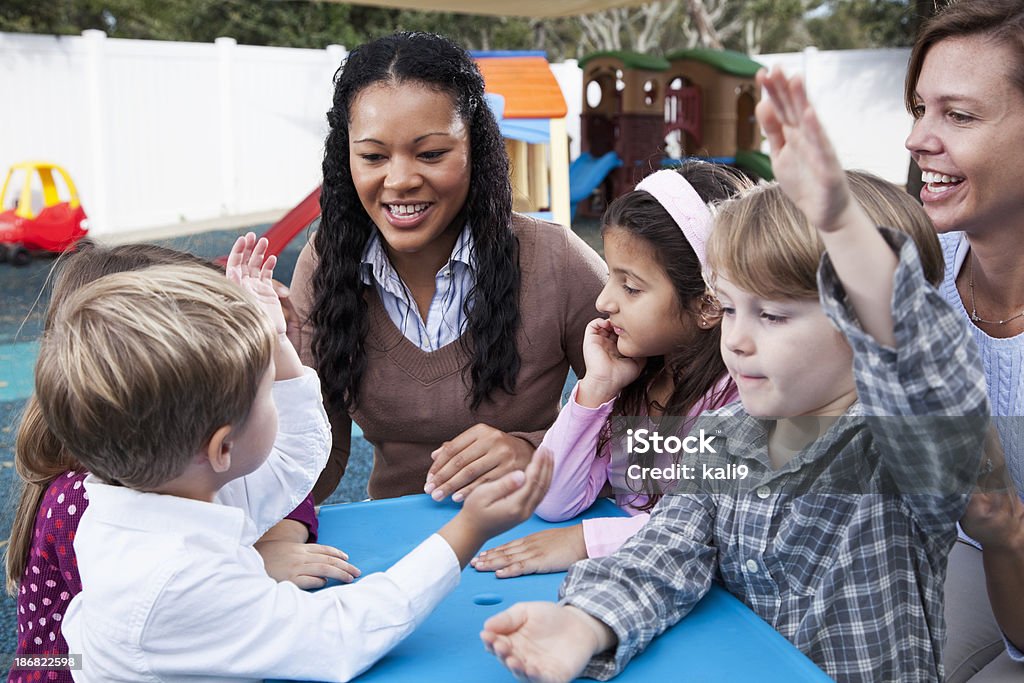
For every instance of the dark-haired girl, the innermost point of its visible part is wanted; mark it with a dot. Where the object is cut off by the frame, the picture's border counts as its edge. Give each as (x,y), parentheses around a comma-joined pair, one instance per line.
(440,321)
(656,355)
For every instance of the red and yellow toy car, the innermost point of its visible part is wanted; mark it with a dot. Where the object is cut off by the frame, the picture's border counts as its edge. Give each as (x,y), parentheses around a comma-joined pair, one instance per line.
(36,217)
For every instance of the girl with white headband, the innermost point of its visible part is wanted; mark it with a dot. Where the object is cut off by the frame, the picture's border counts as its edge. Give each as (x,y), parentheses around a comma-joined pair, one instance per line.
(655,354)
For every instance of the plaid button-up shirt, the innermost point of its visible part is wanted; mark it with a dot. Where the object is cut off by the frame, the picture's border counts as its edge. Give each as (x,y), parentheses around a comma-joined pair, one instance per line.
(843,549)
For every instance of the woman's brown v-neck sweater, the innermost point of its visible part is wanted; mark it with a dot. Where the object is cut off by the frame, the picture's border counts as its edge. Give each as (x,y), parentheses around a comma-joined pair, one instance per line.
(411,401)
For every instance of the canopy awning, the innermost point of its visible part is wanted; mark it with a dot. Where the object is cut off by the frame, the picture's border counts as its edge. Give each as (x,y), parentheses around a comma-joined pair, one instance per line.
(504,8)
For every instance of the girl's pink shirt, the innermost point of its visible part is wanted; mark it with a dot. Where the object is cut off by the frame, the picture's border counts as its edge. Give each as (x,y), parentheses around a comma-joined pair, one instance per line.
(581,472)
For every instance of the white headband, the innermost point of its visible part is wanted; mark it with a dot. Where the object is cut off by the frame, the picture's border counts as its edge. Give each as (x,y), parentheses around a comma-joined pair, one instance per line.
(685,206)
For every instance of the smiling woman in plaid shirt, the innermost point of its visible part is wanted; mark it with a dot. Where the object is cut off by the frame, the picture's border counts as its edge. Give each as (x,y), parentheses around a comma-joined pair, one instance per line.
(861,446)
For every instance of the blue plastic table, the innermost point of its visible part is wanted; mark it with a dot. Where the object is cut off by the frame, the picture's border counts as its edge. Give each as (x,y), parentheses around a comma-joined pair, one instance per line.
(720,640)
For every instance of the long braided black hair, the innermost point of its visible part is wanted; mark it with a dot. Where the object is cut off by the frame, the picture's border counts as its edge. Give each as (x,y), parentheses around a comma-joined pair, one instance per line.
(339,314)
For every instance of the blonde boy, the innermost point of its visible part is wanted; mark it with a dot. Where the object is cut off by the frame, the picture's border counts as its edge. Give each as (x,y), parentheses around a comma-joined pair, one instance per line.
(861,445)
(172,386)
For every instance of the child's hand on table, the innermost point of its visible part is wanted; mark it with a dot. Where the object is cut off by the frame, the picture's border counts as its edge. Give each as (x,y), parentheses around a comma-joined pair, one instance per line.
(608,371)
(307,565)
(544,552)
(497,506)
(544,642)
(287,557)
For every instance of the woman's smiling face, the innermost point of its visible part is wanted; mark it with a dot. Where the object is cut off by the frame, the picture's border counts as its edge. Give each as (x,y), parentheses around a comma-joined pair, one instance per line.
(968,135)
(410,163)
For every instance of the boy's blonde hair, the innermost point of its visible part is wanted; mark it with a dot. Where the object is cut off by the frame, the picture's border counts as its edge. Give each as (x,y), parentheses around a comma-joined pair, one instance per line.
(139,370)
(764,244)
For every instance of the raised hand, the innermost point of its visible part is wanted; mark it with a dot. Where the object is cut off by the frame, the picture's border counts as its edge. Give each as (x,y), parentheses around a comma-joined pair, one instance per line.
(608,371)
(803,160)
(544,552)
(480,454)
(251,268)
(543,642)
(807,169)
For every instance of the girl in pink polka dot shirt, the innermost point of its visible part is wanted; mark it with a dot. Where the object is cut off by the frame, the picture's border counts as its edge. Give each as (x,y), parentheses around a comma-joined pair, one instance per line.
(51,574)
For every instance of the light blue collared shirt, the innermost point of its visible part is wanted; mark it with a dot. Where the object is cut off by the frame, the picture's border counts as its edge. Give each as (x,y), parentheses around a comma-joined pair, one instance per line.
(446,319)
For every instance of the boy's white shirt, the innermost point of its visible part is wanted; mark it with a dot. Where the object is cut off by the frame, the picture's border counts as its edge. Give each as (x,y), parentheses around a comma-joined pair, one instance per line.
(173,589)
(301,449)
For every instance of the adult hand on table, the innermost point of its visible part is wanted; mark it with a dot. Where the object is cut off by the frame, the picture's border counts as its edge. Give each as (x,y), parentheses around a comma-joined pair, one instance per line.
(544,552)
(545,643)
(480,454)
(996,520)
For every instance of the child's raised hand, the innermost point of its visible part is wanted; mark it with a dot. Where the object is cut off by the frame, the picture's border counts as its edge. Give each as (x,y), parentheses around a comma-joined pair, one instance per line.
(803,160)
(543,642)
(544,552)
(608,371)
(251,268)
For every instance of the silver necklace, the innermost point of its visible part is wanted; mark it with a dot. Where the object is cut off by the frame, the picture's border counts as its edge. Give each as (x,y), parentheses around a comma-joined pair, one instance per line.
(974,309)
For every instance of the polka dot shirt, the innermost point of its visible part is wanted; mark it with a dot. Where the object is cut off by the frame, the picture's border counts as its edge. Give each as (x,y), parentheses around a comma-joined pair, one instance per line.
(51,576)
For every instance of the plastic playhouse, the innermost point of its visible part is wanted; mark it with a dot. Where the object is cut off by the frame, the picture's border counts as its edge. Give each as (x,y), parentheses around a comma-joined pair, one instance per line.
(530,108)
(642,112)
(41,212)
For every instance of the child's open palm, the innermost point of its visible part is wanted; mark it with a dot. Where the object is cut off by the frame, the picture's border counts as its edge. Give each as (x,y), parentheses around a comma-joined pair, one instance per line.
(251,268)
(542,642)
(803,160)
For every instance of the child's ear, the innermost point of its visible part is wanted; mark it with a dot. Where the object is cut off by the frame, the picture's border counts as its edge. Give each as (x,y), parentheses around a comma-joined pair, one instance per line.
(218,450)
(708,311)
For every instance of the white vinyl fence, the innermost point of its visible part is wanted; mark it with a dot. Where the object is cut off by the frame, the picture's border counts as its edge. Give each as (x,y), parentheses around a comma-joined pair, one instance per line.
(156,133)
(161,133)
(859,98)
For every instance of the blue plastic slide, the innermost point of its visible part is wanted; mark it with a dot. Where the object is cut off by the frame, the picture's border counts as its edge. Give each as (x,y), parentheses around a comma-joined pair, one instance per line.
(586,173)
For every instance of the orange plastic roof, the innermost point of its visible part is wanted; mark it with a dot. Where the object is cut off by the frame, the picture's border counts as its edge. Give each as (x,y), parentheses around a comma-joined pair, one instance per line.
(527,84)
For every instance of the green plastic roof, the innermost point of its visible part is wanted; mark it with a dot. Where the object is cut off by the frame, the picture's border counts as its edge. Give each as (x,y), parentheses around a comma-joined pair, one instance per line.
(632,60)
(728,61)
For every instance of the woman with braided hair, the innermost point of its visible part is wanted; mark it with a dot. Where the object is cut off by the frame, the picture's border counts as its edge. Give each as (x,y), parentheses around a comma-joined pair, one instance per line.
(440,321)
